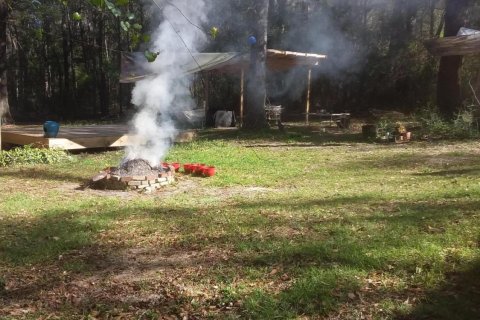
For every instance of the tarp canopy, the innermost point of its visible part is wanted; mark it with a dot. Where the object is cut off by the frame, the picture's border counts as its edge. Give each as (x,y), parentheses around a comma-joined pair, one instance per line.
(136,67)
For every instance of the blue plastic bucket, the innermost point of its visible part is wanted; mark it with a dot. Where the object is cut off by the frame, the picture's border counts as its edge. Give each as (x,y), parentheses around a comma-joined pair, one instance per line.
(50,128)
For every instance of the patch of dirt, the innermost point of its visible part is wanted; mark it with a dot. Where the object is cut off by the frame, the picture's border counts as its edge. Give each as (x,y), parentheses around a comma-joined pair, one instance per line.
(126,281)
(446,160)
(183,184)
(286,232)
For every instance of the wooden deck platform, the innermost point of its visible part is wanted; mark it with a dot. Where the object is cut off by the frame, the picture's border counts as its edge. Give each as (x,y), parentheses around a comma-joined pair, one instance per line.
(77,137)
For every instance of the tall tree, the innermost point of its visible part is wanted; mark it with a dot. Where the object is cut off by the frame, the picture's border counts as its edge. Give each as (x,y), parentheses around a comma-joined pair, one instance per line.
(256,89)
(4,106)
(448,85)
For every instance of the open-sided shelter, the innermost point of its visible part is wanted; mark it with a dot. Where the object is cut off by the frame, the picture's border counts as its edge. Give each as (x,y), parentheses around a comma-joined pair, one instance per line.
(135,67)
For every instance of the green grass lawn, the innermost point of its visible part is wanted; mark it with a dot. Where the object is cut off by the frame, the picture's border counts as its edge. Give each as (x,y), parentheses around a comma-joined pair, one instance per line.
(302,225)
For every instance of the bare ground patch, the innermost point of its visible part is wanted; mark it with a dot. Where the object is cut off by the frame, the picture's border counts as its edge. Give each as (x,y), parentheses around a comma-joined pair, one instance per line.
(125,282)
(184,184)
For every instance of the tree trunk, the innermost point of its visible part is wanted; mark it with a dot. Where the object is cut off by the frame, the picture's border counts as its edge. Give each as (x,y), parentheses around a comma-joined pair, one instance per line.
(403,14)
(448,87)
(66,99)
(431,9)
(256,89)
(89,63)
(4,106)
(73,86)
(101,66)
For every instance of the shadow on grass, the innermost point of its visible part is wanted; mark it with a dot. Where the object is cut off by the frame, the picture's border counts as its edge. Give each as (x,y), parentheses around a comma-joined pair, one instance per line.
(293,135)
(328,262)
(49,260)
(41,240)
(458,299)
(446,164)
(51,174)
(329,268)
(451,172)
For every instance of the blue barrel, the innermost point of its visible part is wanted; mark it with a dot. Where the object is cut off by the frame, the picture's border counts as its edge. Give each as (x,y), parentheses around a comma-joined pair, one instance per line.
(51,129)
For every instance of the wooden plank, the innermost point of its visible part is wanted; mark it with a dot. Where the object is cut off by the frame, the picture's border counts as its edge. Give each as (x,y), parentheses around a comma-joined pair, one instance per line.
(454,46)
(89,143)
(22,139)
(76,138)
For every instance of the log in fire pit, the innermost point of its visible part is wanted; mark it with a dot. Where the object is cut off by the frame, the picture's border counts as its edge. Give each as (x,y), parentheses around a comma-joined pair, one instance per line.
(135,174)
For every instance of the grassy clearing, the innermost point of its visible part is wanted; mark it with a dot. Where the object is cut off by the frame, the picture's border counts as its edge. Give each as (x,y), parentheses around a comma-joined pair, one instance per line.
(302,225)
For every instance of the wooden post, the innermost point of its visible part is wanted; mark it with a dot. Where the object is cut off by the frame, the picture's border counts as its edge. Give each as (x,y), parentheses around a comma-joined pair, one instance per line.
(307,107)
(242,95)
(207,98)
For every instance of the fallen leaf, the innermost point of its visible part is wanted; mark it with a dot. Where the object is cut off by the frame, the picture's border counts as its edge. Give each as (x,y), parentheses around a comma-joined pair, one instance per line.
(274,271)
(285,277)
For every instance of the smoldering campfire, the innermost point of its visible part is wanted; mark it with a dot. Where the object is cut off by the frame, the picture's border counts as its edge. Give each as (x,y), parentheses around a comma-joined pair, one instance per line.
(136,174)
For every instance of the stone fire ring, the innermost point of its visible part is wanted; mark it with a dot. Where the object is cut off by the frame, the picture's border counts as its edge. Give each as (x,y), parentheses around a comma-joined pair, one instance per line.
(148,183)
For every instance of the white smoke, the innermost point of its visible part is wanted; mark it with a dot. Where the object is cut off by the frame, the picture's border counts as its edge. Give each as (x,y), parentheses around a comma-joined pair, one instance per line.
(161,97)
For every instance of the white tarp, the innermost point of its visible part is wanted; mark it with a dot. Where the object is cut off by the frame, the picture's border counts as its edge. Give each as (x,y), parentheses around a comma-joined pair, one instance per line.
(136,67)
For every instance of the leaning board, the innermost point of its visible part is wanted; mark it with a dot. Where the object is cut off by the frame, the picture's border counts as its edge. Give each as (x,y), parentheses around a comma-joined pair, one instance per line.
(77,137)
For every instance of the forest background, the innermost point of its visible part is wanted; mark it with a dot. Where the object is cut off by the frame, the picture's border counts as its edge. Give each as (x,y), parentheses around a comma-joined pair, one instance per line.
(63,57)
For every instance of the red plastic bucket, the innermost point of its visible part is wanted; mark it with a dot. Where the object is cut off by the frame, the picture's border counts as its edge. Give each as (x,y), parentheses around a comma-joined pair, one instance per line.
(199,169)
(194,167)
(176,165)
(209,171)
(187,168)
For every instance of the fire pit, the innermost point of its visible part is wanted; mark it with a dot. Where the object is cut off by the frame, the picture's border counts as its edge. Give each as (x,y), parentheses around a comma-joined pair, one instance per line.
(135,174)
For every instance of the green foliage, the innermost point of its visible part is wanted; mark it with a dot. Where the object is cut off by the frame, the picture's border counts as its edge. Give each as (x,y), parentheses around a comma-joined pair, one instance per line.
(98,3)
(318,292)
(76,16)
(125,25)
(31,155)
(214,32)
(122,2)
(113,9)
(465,125)
(151,56)
(387,129)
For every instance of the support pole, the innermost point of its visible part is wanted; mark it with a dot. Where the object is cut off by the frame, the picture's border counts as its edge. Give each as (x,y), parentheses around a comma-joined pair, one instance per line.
(207,98)
(242,95)
(309,85)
